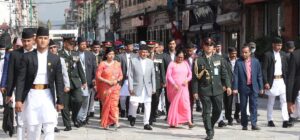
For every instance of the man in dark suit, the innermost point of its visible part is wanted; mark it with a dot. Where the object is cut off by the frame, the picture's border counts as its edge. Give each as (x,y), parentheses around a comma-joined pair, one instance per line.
(159,76)
(14,63)
(228,100)
(39,88)
(293,86)
(231,60)
(96,50)
(275,70)
(290,48)
(169,56)
(124,59)
(209,70)
(191,56)
(73,98)
(88,62)
(248,83)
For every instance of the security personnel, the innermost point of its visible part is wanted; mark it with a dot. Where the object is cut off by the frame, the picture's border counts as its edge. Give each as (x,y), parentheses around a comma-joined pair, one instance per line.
(97,51)
(159,76)
(77,78)
(209,71)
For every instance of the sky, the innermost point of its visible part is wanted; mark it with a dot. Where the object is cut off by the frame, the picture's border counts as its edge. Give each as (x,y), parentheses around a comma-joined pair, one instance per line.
(52,12)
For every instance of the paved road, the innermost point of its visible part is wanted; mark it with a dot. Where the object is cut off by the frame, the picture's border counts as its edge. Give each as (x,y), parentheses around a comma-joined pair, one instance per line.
(162,131)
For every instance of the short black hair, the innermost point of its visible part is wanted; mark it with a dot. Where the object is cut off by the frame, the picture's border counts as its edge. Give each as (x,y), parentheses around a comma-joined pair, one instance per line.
(107,51)
(246,46)
(231,49)
(172,39)
(179,51)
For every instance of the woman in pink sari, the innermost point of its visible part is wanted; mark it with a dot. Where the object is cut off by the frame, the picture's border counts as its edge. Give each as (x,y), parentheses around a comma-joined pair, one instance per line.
(109,74)
(178,76)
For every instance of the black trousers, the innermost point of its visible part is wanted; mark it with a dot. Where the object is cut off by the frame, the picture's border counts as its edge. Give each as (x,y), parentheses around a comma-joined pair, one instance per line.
(154,104)
(227,100)
(167,102)
(72,101)
(192,101)
(212,107)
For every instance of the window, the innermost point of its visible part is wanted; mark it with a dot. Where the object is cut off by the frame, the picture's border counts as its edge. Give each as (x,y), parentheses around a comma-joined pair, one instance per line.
(129,2)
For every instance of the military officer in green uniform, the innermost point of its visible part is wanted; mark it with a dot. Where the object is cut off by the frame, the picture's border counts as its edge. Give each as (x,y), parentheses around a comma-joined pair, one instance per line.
(159,76)
(209,77)
(73,98)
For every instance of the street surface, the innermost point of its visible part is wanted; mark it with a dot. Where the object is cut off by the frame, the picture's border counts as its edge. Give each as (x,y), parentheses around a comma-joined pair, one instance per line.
(161,131)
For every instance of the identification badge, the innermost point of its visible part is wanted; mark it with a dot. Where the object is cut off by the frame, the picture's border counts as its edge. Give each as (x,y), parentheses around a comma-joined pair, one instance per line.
(217,63)
(157,60)
(216,71)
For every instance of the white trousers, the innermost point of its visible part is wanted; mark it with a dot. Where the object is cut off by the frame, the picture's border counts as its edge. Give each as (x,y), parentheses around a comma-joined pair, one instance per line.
(161,104)
(82,114)
(92,101)
(21,133)
(133,108)
(34,131)
(278,89)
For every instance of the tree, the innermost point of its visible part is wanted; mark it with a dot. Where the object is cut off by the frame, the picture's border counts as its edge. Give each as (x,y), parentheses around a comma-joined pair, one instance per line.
(41,23)
(49,25)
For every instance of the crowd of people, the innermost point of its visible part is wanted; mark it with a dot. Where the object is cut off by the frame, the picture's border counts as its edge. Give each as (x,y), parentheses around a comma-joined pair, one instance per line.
(39,78)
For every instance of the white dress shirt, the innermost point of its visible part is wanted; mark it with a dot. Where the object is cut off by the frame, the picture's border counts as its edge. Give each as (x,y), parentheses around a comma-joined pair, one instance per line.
(278,64)
(41,77)
(128,60)
(172,56)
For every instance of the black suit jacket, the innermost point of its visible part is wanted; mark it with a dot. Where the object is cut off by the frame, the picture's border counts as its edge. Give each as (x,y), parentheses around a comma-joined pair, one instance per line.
(90,67)
(167,59)
(13,70)
(123,60)
(293,85)
(268,67)
(28,72)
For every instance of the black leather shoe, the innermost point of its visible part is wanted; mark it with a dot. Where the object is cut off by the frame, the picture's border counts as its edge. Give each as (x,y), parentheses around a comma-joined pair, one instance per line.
(129,117)
(271,124)
(221,124)
(132,121)
(209,137)
(286,124)
(68,128)
(230,123)
(56,130)
(292,120)
(76,124)
(147,127)
(123,112)
(91,114)
(255,128)
(238,120)
(245,128)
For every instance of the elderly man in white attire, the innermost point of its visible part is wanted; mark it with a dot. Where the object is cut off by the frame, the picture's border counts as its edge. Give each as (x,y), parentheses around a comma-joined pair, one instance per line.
(141,81)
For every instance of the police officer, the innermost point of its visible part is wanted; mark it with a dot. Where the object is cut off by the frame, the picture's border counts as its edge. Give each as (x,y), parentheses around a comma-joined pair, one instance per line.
(77,78)
(209,71)
(159,76)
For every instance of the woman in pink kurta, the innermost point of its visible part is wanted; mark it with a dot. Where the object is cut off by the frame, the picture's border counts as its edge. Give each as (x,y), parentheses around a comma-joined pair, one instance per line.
(178,76)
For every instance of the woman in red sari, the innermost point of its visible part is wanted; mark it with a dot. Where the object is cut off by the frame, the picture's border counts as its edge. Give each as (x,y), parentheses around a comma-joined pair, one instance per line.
(109,74)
